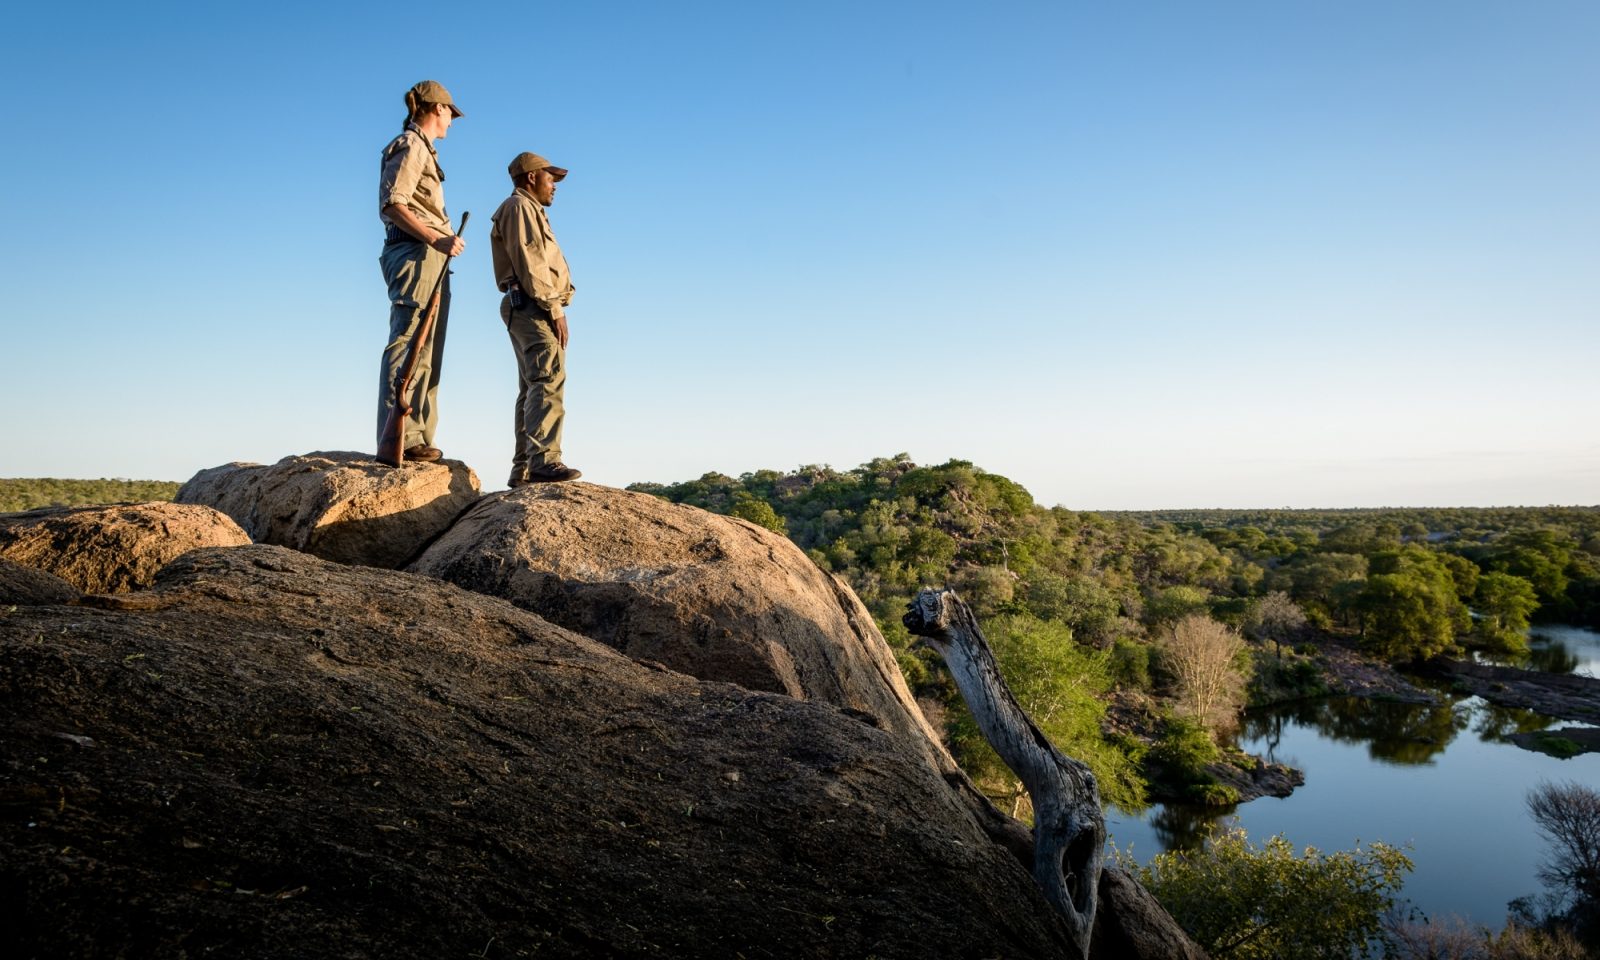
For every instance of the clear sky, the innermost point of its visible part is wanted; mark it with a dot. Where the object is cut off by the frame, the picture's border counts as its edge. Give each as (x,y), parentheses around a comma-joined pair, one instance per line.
(1131,255)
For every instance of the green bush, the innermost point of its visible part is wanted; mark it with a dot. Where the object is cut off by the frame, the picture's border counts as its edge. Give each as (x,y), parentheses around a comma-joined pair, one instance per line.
(1185,749)
(1130,665)
(758,512)
(1058,683)
(1245,902)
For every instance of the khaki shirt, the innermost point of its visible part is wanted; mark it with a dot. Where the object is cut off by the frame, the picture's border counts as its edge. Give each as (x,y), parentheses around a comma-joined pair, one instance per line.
(411,178)
(526,253)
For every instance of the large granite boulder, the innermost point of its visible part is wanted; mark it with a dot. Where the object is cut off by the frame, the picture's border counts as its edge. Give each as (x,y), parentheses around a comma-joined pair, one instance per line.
(106,549)
(268,755)
(28,586)
(712,596)
(339,506)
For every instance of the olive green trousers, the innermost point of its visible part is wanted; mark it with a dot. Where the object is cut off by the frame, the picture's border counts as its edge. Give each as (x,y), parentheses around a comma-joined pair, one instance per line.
(541,381)
(411,270)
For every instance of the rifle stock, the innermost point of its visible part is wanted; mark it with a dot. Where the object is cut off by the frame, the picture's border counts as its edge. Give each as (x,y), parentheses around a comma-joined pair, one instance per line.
(392,438)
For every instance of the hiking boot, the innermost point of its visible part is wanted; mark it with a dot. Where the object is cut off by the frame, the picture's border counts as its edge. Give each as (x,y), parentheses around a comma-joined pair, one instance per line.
(551,473)
(422,453)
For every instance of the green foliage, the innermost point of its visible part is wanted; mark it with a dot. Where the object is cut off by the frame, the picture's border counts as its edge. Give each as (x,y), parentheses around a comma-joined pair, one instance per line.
(1505,601)
(1130,665)
(1212,794)
(1058,683)
(1409,608)
(29,494)
(1285,676)
(1080,601)
(758,512)
(890,527)
(1241,902)
(1185,748)
(1463,573)
(1167,606)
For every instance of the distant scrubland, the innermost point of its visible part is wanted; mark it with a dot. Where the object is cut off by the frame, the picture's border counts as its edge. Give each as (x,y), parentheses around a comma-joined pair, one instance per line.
(30,492)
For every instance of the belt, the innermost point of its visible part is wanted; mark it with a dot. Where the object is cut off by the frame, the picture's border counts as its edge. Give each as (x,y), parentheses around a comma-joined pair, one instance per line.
(393,234)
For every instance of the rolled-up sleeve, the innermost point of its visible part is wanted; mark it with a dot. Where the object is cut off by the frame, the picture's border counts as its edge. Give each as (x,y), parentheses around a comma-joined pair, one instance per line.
(402,171)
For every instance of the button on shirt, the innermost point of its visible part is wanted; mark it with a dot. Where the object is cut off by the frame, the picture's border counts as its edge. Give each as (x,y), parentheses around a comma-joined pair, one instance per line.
(412,179)
(526,253)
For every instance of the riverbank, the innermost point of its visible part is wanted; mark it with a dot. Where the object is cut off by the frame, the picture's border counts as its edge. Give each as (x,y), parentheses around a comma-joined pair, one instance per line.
(1348,672)
(1248,776)
(1564,696)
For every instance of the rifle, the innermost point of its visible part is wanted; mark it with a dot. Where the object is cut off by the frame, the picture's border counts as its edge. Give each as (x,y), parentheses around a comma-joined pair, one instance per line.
(391,445)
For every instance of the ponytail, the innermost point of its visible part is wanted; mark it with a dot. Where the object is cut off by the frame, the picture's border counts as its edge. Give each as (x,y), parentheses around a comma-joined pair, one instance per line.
(412,108)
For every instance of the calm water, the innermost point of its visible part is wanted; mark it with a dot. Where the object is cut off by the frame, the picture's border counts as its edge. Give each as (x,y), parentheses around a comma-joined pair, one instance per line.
(1441,779)
(1564,650)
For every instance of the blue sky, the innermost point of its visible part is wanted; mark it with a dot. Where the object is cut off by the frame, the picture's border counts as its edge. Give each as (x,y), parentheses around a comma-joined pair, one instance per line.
(1131,256)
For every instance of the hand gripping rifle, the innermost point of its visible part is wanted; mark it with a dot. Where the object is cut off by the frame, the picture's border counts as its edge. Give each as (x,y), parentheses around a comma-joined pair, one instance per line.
(391,448)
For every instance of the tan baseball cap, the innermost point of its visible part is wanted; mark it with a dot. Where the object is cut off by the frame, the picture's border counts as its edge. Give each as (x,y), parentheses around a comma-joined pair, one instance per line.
(529,162)
(432,91)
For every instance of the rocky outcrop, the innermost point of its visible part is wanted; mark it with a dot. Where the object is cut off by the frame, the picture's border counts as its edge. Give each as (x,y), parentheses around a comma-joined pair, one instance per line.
(1263,779)
(268,755)
(28,586)
(711,596)
(339,506)
(106,549)
(1348,673)
(1565,696)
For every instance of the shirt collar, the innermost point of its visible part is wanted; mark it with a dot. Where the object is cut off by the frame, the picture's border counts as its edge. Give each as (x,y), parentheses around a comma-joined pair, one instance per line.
(412,125)
(532,199)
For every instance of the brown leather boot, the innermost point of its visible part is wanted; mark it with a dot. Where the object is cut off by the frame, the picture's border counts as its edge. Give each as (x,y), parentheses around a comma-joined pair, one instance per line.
(552,473)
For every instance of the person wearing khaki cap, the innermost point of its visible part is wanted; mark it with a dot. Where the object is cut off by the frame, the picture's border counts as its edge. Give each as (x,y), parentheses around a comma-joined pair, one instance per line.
(418,242)
(530,269)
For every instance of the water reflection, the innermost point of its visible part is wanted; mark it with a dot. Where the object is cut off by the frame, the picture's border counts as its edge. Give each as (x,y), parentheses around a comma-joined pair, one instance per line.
(1551,657)
(1496,724)
(1179,826)
(1555,648)
(1461,810)
(1399,733)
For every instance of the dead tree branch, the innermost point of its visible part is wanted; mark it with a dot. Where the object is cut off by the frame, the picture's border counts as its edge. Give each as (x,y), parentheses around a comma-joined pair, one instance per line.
(1069,831)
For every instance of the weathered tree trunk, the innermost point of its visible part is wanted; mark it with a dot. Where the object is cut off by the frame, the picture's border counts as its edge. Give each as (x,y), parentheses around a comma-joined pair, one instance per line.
(1069,831)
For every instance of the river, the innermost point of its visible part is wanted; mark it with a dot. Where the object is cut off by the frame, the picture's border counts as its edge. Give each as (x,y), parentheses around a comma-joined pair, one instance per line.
(1442,781)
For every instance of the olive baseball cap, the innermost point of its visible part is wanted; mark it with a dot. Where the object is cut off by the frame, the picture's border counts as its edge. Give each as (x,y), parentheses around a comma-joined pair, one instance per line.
(529,162)
(432,91)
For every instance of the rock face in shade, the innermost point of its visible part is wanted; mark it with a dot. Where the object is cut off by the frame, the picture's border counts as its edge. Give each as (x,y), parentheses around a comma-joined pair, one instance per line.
(268,755)
(27,586)
(107,549)
(1132,924)
(339,506)
(708,595)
